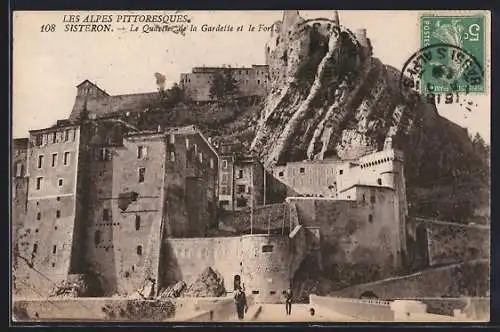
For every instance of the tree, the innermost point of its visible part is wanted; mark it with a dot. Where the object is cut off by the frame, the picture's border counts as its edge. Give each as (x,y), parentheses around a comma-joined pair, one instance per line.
(224,87)
(480,146)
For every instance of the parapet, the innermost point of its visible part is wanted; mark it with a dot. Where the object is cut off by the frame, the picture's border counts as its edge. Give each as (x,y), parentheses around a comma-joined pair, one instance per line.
(361,37)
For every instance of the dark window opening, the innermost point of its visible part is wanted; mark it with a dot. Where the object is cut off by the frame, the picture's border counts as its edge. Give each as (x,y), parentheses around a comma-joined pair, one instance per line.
(255,292)
(267,248)
(35,248)
(53,264)
(139,250)
(40,161)
(54,136)
(39,140)
(341,172)
(142,174)
(137,222)
(364,198)
(372,199)
(280,173)
(370,218)
(272,292)
(61,181)
(241,189)
(240,174)
(54,159)
(97,237)
(38,183)
(379,181)
(58,214)
(140,152)
(39,216)
(66,158)
(241,202)
(105,215)
(54,249)
(302,170)
(127,274)
(58,198)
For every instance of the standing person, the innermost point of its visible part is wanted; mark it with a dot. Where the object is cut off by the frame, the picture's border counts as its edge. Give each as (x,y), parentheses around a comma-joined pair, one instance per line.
(288,301)
(241,302)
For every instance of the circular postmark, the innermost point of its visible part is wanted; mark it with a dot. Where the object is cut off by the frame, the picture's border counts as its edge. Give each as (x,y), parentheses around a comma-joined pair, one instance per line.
(440,73)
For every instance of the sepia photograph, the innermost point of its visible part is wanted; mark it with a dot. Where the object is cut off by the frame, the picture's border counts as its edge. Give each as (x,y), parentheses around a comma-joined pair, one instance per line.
(250,166)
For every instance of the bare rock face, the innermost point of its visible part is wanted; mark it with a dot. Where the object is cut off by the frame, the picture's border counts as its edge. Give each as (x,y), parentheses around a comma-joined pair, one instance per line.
(329,96)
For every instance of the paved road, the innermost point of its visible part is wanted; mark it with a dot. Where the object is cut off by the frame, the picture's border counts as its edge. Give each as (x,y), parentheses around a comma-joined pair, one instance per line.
(300,313)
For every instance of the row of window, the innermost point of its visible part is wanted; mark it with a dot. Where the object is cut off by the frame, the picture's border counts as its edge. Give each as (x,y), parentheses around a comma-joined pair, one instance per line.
(98,239)
(39,182)
(66,159)
(58,136)
(39,215)
(106,216)
(35,249)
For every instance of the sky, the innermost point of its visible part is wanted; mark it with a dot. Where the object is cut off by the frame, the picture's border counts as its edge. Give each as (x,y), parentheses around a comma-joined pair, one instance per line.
(47,66)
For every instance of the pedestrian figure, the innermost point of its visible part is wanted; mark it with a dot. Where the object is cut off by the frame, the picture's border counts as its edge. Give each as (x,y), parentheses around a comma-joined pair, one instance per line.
(288,301)
(241,302)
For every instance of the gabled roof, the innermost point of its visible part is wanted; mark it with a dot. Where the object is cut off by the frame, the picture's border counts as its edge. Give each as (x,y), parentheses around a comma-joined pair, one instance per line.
(86,81)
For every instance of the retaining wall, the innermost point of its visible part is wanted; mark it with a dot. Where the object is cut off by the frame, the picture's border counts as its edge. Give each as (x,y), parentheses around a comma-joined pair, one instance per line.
(456,280)
(91,309)
(369,310)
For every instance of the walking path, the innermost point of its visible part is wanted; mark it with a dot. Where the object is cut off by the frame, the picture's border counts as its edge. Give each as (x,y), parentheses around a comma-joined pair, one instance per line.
(276,313)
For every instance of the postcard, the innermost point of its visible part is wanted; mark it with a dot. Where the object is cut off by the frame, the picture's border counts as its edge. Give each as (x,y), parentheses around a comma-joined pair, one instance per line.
(251,166)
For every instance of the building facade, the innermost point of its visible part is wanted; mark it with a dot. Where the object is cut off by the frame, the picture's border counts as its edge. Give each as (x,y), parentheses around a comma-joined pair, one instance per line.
(368,192)
(19,195)
(100,195)
(241,181)
(47,239)
(253,81)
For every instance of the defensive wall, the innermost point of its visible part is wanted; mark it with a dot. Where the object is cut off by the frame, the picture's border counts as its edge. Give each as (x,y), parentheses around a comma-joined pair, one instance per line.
(264,262)
(449,242)
(464,279)
(356,238)
(272,216)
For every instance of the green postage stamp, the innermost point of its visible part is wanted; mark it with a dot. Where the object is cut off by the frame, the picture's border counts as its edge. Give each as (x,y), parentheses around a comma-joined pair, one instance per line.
(462,37)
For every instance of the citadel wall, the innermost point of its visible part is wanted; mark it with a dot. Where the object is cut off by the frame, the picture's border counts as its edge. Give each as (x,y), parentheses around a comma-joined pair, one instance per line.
(273,216)
(446,242)
(252,81)
(262,261)
(354,233)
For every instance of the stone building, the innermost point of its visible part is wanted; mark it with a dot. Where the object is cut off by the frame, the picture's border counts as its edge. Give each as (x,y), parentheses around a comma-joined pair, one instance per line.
(241,180)
(19,195)
(367,194)
(253,81)
(47,246)
(98,103)
(86,180)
